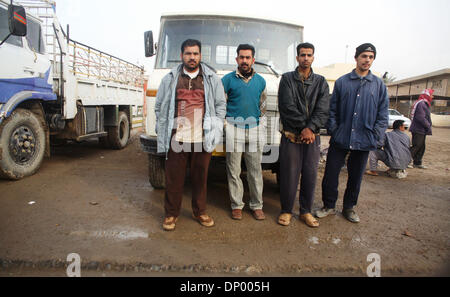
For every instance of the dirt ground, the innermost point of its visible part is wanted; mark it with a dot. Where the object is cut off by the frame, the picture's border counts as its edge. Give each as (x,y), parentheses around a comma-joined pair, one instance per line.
(99,204)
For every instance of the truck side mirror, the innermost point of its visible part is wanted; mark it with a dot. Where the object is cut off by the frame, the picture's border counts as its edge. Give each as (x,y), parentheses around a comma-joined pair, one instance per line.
(17,20)
(149,47)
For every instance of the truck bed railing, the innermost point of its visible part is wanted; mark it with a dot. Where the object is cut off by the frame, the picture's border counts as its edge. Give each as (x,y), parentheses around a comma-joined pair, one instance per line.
(83,61)
(88,62)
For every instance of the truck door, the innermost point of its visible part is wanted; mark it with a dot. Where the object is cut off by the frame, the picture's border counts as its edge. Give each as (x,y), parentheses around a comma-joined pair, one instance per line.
(13,58)
(39,64)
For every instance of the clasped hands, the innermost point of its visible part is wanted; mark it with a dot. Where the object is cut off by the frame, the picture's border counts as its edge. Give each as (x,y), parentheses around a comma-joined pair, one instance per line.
(306,137)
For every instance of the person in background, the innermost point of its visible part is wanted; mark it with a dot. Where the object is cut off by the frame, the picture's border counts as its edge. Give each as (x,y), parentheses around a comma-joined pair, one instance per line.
(303,101)
(358,120)
(421,126)
(394,152)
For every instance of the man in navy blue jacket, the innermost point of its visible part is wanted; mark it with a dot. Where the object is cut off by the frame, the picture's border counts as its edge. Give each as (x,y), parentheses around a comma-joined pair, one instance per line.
(358,120)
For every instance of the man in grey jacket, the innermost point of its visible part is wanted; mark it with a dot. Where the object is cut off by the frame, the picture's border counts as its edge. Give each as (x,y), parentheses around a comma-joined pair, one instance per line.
(190,108)
(394,152)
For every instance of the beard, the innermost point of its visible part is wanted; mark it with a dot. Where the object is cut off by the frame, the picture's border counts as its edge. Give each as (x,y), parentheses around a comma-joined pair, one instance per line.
(191,67)
(245,68)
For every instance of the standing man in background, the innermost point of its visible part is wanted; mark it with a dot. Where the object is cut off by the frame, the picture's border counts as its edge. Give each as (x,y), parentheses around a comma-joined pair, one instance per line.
(190,108)
(357,123)
(245,131)
(421,126)
(303,102)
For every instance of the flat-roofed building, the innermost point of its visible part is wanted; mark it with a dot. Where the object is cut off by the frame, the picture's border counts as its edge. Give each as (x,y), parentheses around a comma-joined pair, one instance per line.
(405,92)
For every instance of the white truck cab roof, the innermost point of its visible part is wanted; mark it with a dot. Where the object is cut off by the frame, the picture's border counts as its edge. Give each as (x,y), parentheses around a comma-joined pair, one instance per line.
(233,15)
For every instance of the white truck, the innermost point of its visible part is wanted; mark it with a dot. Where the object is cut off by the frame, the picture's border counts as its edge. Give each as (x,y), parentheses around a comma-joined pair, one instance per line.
(275,42)
(53,88)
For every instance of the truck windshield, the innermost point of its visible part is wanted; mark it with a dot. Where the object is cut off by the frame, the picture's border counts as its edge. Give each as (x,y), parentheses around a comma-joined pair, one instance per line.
(275,43)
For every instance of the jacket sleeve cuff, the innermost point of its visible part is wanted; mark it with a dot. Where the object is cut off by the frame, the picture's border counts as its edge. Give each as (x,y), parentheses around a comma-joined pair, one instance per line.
(312,127)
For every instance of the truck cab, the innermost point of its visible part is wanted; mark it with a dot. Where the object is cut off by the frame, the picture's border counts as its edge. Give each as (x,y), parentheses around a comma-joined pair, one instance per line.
(53,88)
(275,42)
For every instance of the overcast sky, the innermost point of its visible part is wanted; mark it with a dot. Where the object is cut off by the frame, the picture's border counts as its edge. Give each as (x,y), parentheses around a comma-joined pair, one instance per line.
(412,37)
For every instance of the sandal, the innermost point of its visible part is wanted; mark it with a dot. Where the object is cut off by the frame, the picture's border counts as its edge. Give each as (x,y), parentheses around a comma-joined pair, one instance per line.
(284,219)
(204,220)
(309,220)
(169,223)
(373,173)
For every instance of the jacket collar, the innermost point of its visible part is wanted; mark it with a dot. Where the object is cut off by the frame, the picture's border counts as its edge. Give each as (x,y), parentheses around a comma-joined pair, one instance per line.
(308,80)
(206,71)
(369,76)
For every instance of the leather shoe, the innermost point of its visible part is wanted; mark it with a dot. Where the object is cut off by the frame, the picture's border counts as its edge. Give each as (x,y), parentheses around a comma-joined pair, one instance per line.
(259,214)
(236,214)
(350,215)
(323,212)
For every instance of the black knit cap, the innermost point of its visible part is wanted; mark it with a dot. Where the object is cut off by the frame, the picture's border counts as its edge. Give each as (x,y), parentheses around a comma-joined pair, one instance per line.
(366,47)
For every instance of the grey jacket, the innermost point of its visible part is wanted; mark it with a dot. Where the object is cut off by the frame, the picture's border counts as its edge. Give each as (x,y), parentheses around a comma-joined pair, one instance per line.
(396,146)
(215,109)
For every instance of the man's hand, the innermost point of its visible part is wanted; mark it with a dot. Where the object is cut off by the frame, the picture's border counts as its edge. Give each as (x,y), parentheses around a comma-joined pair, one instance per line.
(307,136)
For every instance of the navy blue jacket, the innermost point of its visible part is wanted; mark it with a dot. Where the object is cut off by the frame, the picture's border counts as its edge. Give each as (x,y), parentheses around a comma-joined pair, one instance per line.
(358,112)
(421,122)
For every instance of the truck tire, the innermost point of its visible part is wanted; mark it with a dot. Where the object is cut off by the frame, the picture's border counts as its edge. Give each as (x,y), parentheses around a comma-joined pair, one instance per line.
(156,171)
(119,135)
(22,145)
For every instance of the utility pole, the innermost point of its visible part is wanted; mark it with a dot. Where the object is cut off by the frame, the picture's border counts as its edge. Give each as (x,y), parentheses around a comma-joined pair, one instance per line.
(346,50)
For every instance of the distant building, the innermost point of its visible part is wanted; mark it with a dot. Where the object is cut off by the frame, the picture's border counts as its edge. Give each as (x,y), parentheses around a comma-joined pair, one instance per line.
(404,93)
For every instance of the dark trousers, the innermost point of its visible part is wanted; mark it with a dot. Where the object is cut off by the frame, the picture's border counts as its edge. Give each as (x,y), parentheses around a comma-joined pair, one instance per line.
(175,175)
(356,165)
(418,148)
(296,159)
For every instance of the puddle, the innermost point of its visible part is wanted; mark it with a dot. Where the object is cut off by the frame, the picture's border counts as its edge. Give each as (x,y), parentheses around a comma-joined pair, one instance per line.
(336,241)
(114,234)
(314,240)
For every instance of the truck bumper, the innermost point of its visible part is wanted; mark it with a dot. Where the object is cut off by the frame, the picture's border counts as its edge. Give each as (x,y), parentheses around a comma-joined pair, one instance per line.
(149,145)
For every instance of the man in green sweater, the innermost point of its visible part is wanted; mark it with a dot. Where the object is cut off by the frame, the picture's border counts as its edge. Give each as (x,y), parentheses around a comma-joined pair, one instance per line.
(245,131)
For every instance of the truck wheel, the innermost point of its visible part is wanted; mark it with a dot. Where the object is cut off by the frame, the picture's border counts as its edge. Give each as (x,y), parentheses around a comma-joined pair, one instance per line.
(156,171)
(118,136)
(22,145)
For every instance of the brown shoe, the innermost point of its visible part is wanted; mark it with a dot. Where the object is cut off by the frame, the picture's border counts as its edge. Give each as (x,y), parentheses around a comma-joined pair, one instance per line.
(204,220)
(309,220)
(169,223)
(259,214)
(236,214)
